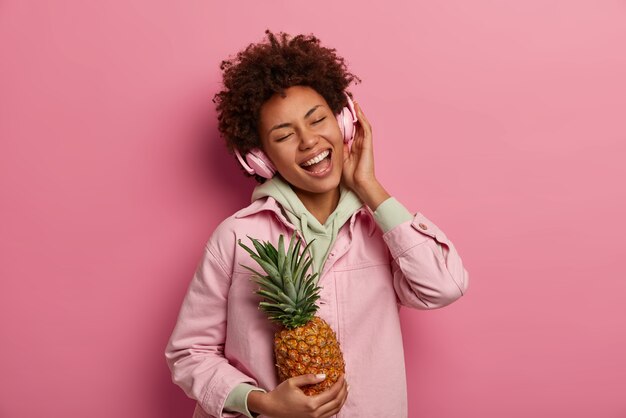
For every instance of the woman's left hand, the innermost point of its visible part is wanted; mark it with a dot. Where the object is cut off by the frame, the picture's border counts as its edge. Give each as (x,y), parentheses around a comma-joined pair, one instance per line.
(358,161)
(358,164)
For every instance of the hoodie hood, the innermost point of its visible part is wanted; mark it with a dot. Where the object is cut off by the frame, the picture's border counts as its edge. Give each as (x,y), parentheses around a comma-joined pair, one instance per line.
(311,229)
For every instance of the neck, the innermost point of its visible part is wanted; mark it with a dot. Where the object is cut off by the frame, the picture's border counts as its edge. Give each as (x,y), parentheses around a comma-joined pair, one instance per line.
(321,205)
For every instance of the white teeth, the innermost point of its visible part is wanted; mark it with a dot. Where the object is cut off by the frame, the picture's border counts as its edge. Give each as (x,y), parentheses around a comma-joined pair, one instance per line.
(317,159)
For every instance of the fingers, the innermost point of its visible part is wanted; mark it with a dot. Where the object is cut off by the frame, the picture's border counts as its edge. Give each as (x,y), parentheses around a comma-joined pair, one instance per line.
(307,379)
(346,152)
(288,400)
(363,134)
(362,119)
(329,394)
(332,398)
(333,406)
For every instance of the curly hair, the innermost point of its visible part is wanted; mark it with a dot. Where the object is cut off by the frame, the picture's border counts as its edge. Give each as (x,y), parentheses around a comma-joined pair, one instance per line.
(267,68)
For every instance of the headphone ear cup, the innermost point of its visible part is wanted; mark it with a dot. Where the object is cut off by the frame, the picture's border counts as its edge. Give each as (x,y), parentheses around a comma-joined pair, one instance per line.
(256,162)
(347,120)
(260,163)
(346,125)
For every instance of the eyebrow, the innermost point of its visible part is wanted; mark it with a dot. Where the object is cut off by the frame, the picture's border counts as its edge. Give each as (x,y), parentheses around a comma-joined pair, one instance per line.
(284,125)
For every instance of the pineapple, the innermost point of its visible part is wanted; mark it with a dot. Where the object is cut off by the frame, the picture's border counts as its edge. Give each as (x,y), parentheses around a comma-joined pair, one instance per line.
(305,343)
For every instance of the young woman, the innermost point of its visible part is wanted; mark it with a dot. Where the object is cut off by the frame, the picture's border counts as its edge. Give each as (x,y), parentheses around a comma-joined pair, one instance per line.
(278,110)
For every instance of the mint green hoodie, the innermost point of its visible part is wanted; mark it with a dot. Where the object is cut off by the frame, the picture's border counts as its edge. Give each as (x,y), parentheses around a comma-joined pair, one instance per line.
(322,236)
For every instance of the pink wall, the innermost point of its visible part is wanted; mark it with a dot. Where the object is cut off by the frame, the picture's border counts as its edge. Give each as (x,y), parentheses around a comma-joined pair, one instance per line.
(507,116)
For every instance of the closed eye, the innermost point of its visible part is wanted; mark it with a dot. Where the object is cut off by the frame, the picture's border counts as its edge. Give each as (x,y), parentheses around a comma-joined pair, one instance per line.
(319,120)
(283,138)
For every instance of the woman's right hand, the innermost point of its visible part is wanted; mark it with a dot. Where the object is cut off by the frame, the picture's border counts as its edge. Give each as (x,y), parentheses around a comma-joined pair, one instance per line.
(288,401)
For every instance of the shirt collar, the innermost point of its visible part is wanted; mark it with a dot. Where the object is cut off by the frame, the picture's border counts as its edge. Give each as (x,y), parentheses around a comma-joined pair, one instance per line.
(268,203)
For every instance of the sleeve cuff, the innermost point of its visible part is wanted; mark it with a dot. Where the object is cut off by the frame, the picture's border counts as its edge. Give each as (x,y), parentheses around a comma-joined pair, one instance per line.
(237,399)
(390,214)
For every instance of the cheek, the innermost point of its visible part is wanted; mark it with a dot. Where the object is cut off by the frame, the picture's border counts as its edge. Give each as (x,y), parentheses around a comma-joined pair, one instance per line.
(281,155)
(339,160)
(338,142)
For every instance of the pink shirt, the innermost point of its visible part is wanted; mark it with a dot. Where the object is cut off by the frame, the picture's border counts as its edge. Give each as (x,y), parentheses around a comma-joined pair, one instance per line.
(222,339)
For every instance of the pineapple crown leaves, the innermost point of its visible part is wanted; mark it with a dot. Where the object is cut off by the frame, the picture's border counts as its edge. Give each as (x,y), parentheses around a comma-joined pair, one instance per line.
(290,292)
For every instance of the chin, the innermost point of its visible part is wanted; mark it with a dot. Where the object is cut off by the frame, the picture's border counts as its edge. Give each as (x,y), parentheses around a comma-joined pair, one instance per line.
(316,186)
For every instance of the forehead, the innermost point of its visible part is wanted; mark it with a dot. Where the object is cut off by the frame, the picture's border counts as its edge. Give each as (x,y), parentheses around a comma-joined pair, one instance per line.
(297,102)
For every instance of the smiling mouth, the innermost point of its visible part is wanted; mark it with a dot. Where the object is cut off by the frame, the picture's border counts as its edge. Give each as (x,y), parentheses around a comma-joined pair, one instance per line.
(319,163)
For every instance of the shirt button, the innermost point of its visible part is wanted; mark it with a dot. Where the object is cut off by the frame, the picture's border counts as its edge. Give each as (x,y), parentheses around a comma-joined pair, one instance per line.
(424,227)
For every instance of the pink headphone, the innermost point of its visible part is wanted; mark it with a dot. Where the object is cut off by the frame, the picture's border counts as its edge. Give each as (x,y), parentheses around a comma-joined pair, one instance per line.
(256,162)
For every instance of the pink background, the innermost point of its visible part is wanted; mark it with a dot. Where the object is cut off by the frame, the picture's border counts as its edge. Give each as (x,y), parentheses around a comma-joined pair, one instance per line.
(502,121)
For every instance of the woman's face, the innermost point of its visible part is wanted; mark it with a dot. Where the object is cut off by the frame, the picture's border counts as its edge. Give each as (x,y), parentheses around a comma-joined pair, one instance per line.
(301,136)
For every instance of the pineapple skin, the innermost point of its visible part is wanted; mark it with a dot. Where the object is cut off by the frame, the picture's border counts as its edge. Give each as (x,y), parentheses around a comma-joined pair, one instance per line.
(311,348)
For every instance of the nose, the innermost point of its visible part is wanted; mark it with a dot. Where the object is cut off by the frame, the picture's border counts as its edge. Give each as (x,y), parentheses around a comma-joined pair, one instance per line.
(308,139)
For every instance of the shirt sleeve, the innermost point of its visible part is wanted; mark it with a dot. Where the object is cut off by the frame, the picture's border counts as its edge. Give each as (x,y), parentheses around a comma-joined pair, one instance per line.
(195,350)
(428,271)
(237,400)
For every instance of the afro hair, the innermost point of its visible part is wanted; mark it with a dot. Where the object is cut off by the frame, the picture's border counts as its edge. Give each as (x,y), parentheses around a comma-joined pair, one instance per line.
(264,69)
